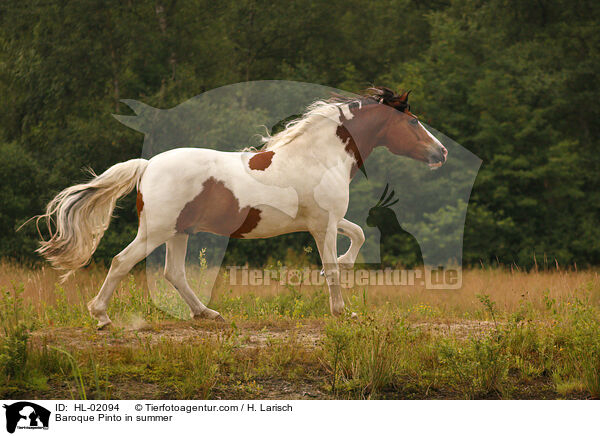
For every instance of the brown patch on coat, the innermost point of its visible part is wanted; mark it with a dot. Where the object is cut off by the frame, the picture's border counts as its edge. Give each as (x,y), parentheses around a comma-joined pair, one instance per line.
(261,160)
(216,210)
(357,126)
(351,147)
(249,224)
(139,203)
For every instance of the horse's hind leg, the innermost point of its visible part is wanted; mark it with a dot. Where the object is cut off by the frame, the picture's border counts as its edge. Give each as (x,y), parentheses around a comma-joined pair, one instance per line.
(175,273)
(121,264)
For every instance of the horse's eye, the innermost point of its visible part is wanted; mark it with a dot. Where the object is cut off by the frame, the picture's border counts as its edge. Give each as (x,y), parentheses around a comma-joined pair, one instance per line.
(414,121)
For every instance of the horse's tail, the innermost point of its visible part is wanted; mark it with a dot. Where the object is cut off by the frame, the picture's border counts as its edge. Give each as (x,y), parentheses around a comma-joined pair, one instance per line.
(81,214)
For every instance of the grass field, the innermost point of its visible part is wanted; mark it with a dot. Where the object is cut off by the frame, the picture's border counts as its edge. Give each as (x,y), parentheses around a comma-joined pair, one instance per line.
(505,334)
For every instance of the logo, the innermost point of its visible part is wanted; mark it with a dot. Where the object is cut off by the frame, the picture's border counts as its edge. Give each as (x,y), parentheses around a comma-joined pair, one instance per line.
(26,415)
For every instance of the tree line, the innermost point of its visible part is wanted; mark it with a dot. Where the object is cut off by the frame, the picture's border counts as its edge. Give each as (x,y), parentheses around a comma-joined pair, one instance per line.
(515,82)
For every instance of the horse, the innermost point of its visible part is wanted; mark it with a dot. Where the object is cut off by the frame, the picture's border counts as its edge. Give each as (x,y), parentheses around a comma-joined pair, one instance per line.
(297,181)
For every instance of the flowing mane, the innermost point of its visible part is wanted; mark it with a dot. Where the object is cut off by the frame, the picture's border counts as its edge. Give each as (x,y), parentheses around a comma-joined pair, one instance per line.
(317,110)
(330,109)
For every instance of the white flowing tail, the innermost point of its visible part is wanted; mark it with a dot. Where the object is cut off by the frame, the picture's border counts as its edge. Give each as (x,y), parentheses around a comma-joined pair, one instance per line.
(82,214)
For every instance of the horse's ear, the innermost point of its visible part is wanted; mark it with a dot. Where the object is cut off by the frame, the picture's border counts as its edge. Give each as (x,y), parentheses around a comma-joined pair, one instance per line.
(404,96)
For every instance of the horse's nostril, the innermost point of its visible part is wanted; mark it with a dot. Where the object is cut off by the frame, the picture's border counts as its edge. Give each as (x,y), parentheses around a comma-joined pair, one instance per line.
(440,156)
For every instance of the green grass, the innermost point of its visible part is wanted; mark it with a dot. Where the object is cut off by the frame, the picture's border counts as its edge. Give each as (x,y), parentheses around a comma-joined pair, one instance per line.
(285,345)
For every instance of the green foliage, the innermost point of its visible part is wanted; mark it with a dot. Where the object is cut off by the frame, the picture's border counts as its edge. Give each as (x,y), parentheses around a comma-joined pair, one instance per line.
(480,367)
(584,356)
(289,303)
(364,357)
(13,357)
(16,370)
(13,353)
(76,373)
(515,83)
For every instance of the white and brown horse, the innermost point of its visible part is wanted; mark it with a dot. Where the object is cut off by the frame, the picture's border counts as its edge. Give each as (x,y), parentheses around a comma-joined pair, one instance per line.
(298,181)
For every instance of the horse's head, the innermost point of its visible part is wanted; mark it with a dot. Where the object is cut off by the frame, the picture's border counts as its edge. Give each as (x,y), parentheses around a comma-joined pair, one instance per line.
(383,117)
(402,133)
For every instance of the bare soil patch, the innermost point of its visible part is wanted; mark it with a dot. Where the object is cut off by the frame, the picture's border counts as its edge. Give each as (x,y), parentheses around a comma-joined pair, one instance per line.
(252,334)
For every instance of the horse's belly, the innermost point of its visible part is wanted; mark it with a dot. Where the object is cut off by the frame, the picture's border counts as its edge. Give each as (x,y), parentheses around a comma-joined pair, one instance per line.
(217,209)
(224,218)
(270,222)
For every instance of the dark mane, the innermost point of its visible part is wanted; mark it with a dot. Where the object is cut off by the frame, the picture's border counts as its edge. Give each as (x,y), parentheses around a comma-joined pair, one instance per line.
(377,95)
(330,108)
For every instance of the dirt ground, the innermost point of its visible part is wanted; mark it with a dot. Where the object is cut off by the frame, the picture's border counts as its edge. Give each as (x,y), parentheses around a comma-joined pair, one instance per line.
(253,334)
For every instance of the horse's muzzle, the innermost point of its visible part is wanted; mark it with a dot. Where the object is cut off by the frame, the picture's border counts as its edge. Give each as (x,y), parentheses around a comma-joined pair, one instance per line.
(437,156)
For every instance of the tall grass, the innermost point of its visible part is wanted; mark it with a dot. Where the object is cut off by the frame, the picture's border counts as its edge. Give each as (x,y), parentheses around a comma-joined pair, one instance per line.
(505,334)
(379,356)
(508,288)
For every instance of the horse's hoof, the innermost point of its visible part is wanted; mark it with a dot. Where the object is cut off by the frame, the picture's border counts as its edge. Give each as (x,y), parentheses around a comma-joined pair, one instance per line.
(210,314)
(102,325)
(338,312)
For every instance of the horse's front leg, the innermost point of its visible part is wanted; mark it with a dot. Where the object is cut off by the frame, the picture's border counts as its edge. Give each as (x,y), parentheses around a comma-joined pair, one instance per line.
(357,239)
(327,244)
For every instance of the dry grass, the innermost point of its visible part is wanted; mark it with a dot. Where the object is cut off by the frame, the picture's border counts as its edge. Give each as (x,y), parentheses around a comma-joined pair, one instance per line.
(510,289)
(505,334)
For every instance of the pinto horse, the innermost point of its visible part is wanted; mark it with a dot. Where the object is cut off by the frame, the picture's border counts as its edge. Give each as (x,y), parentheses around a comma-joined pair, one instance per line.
(298,181)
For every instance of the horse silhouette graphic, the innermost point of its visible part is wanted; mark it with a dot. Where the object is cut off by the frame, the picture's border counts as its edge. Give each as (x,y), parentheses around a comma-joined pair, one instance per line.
(427,230)
(394,242)
(29,415)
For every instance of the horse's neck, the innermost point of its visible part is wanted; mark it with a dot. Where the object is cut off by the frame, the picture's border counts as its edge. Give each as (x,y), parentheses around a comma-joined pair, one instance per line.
(332,145)
(358,130)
